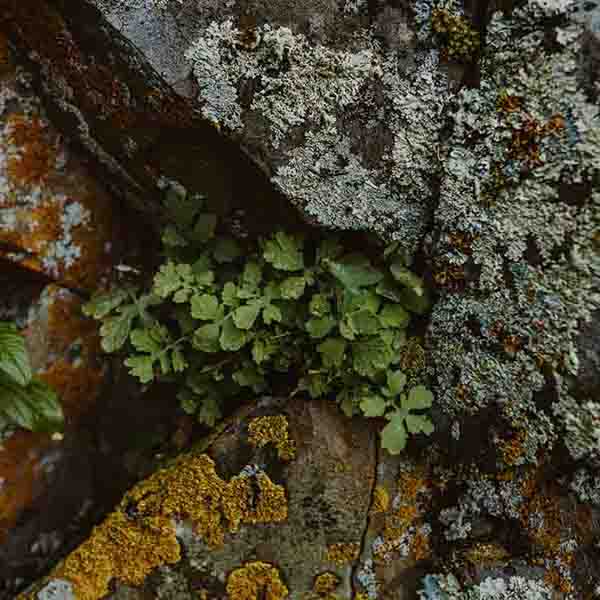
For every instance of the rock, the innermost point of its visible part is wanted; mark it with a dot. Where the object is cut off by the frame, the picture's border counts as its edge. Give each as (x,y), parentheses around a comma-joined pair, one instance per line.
(55,218)
(278,498)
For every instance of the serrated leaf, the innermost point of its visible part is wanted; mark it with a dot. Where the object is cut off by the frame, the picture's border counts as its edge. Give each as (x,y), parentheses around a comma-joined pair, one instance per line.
(14,360)
(363,322)
(319,305)
(204,229)
(226,250)
(206,338)
(407,278)
(373,406)
(178,361)
(204,307)
(332,352)
(371,355)
(140,366)
(292,288)
(319,327)
(284,252)
(115,330)
(394,315)
(396,380)
(245,316)
(354,271)
(34,406)
(419,424)
(418,397)
(393,435)
(271,314)
(102,304)
(148,340)
(229,294)
(167,280)
(232,338)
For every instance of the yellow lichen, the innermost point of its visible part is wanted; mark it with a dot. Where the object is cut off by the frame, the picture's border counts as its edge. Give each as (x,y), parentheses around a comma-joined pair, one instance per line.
(381,500)
(254,581)
(341,554)
(128,549)
(326,583)
(272,429)
(485,554)
(461,40)
(119,549)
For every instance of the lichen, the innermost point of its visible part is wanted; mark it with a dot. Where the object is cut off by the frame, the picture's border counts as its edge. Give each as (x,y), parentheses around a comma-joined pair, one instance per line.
(381,500)
(272,430)
(140,535)
(326,583)
(254,581)
(342,553)
(460,40)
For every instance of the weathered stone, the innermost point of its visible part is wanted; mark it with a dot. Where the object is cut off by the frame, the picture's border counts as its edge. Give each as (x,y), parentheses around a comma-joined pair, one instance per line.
(241,511)
(54,217)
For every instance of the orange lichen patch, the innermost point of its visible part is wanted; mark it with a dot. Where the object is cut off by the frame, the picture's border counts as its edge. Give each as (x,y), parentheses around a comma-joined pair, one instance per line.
(513,449)
(326,583)
(547,532)
(21,475)
(272,430)
(381,500)
(342,554)
(256,581)
(120,549)
(410,484)
(35,153)
(559,582)
(398,522)
(76,385)
(485,554)
(508,103)
(419,546)
(129,548)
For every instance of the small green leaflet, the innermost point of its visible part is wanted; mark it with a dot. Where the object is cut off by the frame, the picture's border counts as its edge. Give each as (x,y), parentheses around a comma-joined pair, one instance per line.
(393,315)
(178,361)
(393,435)
(14,360)
(354,271)
(419,424)
(205,307)
(102,304)
(245,316)
(171,277)
(373,406)
(115,330)
(396,380)
(319,305)
(206,338)
(332,352)
(320,327)
(232,338)
(271,314)
(284,252)
(171,237)
(141,366)
(418,397)
(292,288)
(150,340)
(363,322)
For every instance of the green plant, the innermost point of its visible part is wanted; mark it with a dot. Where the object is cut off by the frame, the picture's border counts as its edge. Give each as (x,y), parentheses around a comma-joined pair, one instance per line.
(25,401)
(283,314)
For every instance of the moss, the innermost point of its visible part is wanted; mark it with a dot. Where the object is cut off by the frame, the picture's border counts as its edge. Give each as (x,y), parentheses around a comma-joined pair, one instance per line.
(256,581)
(272,429)
(342,554)
(128,549)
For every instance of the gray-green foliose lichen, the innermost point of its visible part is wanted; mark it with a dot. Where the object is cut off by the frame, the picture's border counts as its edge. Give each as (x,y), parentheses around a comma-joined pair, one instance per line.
(518,259)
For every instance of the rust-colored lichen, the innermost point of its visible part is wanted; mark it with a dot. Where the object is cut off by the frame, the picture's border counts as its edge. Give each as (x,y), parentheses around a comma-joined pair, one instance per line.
(420,547)
(342,554)
(559,582)
(35,152)
(272,430)
(381,500)
(513,449)
(256,581)
(326,583)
